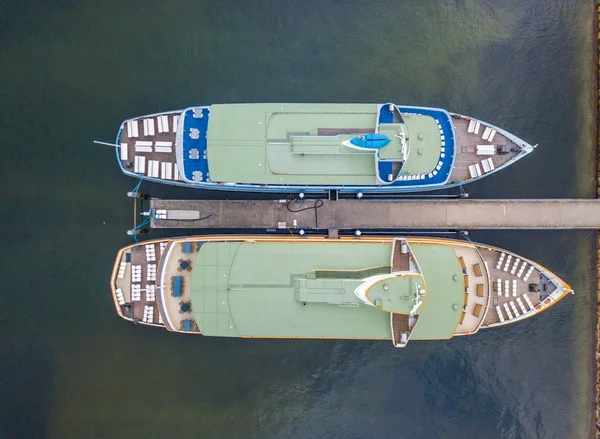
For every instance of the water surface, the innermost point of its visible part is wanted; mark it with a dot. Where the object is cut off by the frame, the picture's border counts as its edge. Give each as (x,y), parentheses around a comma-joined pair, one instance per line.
(70,72)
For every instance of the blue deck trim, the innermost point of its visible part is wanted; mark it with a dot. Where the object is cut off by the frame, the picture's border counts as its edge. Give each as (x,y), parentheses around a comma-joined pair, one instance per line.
(191,122)
(398,187)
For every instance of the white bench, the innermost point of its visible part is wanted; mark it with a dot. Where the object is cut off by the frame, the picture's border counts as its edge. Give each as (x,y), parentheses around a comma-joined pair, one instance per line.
(514,308)
(163,149)
(175,122)
(526,297)
(507,264)
(471,127)
(491,135)
(515,265)
(143,148)
(486,149)
(486,133)
(123,151)
(508,313)
(520,302)
(500,261)
(500,314)
(166,170)
(499,286)
(139,165)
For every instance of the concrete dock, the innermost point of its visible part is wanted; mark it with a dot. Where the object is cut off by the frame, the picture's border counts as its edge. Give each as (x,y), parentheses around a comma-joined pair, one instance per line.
(363,214)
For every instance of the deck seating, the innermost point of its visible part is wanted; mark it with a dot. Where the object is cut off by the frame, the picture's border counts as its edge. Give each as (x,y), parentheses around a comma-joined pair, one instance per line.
(474,171)
(507,264)
(471,127)
(148,314)
(486,133)
(149,127)
(162,247)
(136,292)
(515,265)
(486,149)
(175,122)
(151,272)
(430,175)
(150,252)
(150,293)
(528,273)
(122,268)
(477,270)
(166,171)
(119,295)
(462,318)
(185,306)
(136,273)
(141,148)
(466,281)
(132,129)
(514,287)
(463,266)
(139,166)
(479,290)
(477,310)
(163,149)
(465,299)
(499,286)
(176,175)
(435,172)
(186,247)
(520,302)
(163,123)
(499,311)
(529,304)
(514,308)
(506,287)
(177,284)
(477,126)
(500,260)
(522,269)
(508,313)
(123,151)
(491,135)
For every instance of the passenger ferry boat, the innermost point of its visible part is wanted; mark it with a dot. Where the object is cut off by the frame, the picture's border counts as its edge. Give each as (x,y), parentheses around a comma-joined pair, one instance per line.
(382,148)
(380,288)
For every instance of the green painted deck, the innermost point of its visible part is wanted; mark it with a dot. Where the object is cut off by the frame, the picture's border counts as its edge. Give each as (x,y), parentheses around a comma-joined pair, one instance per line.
(291,289)
(425,143)
(280,143)
(248,289)
(443,291)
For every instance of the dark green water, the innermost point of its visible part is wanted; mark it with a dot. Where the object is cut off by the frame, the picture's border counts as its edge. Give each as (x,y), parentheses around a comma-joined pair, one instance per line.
(70,72)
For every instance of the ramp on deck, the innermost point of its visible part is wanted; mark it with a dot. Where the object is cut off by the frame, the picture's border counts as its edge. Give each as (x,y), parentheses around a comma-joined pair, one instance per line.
(353,214)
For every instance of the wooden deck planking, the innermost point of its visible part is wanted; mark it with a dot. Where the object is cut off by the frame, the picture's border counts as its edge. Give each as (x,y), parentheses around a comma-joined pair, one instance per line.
(466,147)
(158,137)
(491,257)
(399,325)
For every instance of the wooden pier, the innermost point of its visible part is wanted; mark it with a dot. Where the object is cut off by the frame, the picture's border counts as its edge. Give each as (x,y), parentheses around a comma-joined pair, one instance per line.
(367,214)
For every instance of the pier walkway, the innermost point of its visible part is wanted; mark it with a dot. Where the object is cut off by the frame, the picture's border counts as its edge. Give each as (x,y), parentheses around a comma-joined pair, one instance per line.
(363,214)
